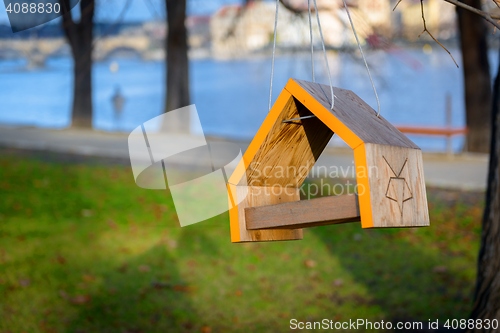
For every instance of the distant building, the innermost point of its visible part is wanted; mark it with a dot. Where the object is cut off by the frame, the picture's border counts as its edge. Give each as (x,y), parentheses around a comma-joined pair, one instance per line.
(440,19)
(377,14)
(236,30)
(199,31)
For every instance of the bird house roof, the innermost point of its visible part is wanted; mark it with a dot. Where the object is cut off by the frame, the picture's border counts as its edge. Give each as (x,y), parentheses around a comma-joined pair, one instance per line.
(296,131)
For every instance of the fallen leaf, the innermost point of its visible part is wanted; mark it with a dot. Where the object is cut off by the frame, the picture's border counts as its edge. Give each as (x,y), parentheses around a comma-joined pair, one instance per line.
(321,296)
(132,330)
(172,243)
(160,284)
(144,268)
(182,288)
(143,291)
(60,259)
(230,271)
(123,268)
(112,224)
(440,269)
(206,329)
(88,278)
(157,212)
(24,282)
(80,299)
(338,282)
(87,213)
(188,325)
(63,294)
(309,263)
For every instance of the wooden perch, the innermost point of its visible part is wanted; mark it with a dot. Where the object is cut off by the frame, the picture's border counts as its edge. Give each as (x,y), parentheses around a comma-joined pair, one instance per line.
(390,183)
(304,213)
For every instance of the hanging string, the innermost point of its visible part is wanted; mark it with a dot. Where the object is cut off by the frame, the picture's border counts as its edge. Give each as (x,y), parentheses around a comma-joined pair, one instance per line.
(363,56)
(324,53)
(274,54)
(311,38)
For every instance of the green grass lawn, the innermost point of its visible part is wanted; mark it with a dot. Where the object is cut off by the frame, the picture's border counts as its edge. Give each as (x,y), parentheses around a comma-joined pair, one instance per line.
(83,249)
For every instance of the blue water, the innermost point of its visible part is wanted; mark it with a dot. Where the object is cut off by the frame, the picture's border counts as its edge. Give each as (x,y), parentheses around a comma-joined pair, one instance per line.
(232,96)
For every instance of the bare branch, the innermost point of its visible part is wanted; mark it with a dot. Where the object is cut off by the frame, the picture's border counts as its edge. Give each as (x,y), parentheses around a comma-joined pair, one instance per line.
(479,12)
(299,10)
(113,25)
(396,5)
(429,33)
(493,19)
(234,22)
(295,10)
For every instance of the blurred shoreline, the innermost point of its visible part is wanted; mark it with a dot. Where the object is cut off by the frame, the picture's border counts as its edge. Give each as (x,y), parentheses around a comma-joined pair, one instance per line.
(463,171)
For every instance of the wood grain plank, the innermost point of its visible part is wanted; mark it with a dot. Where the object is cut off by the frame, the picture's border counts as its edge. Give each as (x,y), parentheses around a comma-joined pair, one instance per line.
(444,131)
(239,175)
(304,213)
(289,150)
(254,196)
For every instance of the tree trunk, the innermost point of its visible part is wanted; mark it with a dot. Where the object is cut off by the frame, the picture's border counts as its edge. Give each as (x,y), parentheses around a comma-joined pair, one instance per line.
(477,78)
(487,293)
(80,36)
(176,48)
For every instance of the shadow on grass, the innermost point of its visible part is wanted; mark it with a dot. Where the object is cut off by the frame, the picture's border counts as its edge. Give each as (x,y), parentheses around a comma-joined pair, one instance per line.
(417,267)
(410,274)
(84,250)
(143,294)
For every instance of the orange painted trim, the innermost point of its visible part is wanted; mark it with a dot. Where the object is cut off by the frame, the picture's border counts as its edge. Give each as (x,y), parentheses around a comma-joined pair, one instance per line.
(324,114)
(363,183)
(248,157)
(234,225)
(260,136)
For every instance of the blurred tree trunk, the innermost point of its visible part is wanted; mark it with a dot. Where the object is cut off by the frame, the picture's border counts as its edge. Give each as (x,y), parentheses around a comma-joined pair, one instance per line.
(487,293)
(176,48)
(477,78)
(80,36)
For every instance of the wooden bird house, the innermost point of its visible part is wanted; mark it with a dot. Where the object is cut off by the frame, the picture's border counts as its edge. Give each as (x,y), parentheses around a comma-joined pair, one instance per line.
(266,183)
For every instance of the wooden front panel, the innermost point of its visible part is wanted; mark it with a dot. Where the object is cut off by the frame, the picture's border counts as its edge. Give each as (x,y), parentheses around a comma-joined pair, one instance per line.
(391,186)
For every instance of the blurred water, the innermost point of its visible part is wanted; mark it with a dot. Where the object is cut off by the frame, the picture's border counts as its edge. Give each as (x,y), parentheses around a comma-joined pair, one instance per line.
(232,96)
